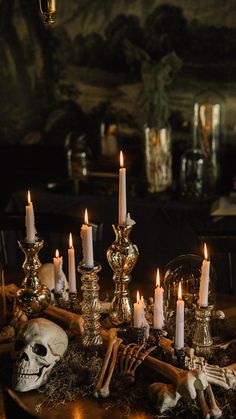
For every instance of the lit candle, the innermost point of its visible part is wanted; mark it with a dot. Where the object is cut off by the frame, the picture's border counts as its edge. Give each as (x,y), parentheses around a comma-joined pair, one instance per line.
(87,241)
(57,262)
(179,330)
(138,312)
(71,266)
(204,280)
(122,192)
(158,319)
(29,221)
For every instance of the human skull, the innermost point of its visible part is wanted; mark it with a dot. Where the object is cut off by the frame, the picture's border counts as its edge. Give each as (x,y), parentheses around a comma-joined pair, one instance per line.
(39,345)
(46,276)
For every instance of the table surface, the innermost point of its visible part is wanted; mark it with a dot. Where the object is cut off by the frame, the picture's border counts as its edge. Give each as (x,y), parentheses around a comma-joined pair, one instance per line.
(87,408)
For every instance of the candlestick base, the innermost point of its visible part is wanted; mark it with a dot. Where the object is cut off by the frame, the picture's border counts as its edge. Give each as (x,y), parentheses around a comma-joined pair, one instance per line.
(90,305)
(74,304)
(32,297)
(158,352)
(180,356)
(202,340)
(60,301)
(139,335)
(122,256)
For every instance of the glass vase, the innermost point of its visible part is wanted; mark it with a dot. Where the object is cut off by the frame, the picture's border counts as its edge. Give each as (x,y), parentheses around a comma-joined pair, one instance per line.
(158,158)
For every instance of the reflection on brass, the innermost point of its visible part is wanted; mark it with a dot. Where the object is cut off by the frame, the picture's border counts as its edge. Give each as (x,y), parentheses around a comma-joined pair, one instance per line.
(32,297)
(47,8)
(202,339)
(122,256)
(90,305)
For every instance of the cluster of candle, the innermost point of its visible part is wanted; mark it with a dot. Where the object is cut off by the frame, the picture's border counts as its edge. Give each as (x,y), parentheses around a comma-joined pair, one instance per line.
(87,246)
(158,314)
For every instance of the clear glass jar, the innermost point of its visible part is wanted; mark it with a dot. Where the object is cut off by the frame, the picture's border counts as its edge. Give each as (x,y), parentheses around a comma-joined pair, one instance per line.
(158,158)
(208,131)
(193,174)
(187,270)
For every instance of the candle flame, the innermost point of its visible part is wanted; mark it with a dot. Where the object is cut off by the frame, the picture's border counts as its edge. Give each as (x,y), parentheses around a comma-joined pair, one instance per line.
(70,241)
(180,291)
(121,159)
(57,253)
(205,252)
(138,297)
(86,221)
(29,197)
(158,278)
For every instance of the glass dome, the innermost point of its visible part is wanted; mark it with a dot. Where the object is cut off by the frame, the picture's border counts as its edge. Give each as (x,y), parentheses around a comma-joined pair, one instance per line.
(187,269)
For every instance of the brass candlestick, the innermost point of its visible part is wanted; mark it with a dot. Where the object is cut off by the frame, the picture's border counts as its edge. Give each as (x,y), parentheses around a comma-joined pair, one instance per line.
(202,339)
(47,8)
(122,256)
(32,297)
(90,305)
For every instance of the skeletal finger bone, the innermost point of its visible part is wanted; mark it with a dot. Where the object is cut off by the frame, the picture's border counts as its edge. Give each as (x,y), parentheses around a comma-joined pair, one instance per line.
(123,356)
(164,396)
(141,358)
(215,411)
(104,390)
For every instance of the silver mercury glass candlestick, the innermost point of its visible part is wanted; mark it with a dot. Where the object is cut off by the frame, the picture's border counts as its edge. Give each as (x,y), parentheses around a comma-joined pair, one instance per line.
(122,256)
(32,297)
(90,305)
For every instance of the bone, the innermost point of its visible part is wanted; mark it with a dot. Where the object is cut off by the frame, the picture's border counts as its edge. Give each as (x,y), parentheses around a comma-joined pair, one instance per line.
(111,341)
(203,404)
(104,390)
(215,411)
(164,396)
(123,356)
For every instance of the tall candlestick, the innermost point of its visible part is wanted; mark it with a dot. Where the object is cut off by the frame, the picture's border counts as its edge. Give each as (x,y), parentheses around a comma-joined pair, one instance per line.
(57,261)
(179,330)
(138,312)
(122,192)
(204,280)
(158,318)
(71,266)
(87,242)
(29,221)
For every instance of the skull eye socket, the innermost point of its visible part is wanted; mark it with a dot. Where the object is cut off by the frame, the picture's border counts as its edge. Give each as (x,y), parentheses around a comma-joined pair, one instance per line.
(39,349)
(19,344)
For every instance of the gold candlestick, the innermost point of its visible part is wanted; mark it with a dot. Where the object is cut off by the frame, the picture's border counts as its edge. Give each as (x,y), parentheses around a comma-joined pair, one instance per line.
(90,304)
(202,339)
(48,8)
(122,256)
(32,297)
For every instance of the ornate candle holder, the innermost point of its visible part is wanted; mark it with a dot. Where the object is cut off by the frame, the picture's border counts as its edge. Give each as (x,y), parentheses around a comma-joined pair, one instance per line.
(73,303)
(202,339)
(180,356)
(122,256)
(32,297)
(90,305)
(157,334)
(48,8)
(139,335)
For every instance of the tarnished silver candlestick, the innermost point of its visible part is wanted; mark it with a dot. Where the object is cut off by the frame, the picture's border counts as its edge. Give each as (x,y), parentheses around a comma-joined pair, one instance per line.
(73,302)
(90,305)
(202,339)
(122,256)
(32,297)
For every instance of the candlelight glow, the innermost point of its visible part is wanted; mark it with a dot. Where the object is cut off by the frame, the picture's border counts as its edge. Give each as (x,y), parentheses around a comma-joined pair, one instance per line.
(205,252)
(70,241)
(138,297)
(142,300)
(121,159)
(86,221)
(180,291)
(29,197)
(57,253)
(158,278)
